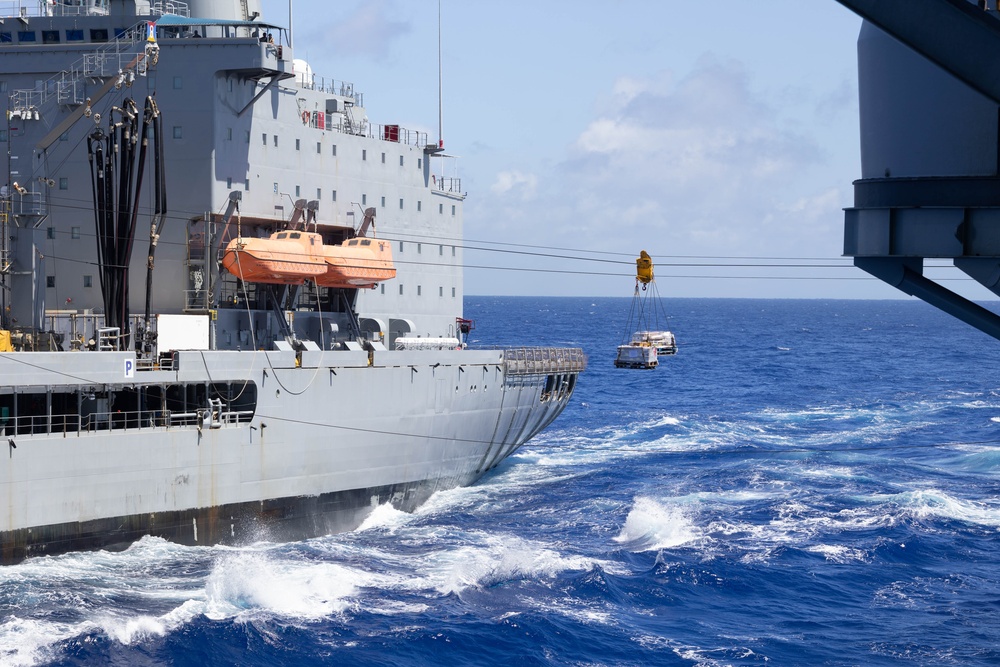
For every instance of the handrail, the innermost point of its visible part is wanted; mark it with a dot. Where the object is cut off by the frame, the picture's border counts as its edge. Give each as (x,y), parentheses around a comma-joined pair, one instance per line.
(544,360)
(35,8)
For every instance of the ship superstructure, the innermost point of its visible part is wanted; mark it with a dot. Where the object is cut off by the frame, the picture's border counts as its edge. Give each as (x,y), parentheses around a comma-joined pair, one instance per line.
(215,408)
(930,148)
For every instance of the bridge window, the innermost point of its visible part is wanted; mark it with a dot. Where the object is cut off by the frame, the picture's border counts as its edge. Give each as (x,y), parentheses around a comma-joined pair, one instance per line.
(6,37)
(50,37)
(74,35)
(26,35)
(99,35)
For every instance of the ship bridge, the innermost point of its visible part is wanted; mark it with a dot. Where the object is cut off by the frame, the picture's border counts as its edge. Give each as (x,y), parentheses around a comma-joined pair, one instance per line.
(929,92)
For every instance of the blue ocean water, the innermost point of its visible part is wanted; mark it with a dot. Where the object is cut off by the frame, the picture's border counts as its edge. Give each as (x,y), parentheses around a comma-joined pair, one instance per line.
(805,482)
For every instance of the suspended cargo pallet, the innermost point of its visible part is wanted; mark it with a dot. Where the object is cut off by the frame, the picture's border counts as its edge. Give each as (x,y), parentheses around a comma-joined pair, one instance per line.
(636,356)
(647,321)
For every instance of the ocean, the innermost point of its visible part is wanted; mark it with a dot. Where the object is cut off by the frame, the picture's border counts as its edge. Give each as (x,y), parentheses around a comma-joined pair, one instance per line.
(807,482)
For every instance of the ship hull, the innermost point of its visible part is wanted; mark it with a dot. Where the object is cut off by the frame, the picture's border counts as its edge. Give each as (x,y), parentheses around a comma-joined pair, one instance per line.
(314,458)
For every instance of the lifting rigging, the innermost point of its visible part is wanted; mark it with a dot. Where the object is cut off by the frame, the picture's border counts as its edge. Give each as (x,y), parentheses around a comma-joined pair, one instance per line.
(646,334)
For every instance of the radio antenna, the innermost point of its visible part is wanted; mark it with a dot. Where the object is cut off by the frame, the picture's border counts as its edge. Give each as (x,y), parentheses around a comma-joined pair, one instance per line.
(440,97)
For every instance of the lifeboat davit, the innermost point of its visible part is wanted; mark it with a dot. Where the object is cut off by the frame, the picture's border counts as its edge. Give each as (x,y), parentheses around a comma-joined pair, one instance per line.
(291,258)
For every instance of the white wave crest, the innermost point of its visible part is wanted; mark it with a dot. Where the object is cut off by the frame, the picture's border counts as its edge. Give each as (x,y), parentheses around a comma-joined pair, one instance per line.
(935,503)
(839,554)
(136,629)
(28,642)
(385,516)
(501,559)
(652,525)
(254,582)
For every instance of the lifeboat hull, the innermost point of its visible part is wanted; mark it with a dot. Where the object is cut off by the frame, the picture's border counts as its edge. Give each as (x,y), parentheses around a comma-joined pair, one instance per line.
(358,263)
(278,262)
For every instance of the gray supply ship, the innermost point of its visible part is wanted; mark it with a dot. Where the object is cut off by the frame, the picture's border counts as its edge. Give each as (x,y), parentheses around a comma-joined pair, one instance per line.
(232,304)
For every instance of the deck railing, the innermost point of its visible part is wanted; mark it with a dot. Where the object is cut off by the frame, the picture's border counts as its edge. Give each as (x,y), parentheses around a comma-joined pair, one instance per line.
(544,360)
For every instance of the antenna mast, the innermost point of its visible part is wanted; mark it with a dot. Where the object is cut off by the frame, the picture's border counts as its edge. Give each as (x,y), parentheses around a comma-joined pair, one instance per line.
(440,103)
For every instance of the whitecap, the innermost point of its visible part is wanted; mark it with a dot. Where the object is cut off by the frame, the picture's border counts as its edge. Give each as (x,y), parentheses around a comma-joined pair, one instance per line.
(384,516)
(130,630)
(502,558)
(935,503)
(652,525)
(28,642)
(839,554)
(254,582)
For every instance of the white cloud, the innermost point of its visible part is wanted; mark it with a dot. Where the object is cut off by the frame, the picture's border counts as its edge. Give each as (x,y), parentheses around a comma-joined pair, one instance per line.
(515,182)
(369,30)
(698,165)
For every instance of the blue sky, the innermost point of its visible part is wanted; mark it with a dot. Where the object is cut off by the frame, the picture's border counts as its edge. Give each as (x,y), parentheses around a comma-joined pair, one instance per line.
(702,132)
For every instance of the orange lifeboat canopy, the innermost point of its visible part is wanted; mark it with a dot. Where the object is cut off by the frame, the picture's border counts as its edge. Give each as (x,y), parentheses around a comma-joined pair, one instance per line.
(284,258)
(358,262)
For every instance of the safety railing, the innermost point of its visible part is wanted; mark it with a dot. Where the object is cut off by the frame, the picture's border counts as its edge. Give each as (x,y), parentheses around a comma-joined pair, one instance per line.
(38,8)
(544,360)
(118,420)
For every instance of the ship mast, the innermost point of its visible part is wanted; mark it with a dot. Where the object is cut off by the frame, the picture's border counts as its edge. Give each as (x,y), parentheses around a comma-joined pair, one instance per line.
(440,85)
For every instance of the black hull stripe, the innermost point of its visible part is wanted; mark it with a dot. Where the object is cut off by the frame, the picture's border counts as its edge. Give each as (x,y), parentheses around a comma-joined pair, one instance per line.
(279,519)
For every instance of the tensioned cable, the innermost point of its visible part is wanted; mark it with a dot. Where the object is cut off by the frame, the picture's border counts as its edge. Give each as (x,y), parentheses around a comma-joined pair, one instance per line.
(569,448)
(750,450)
(622,275)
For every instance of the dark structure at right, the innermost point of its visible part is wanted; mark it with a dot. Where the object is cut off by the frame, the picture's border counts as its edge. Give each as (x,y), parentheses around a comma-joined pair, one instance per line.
(929,88)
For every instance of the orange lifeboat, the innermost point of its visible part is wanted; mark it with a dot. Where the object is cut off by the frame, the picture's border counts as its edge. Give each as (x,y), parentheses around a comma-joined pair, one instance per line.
(284,258)
(358,262)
